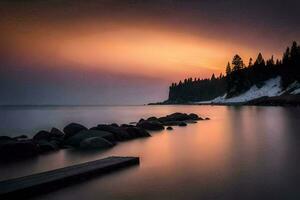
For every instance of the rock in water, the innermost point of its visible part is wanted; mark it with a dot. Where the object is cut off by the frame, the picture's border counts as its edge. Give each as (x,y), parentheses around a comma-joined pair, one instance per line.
(95,143)
(46,146)
(119,133)
(152,119)
(151,125)
(76,139)
(194,116)
(21,137)
(42,135)
(182,124)
(72,129)
(57,133)
(169,128)
(137,132)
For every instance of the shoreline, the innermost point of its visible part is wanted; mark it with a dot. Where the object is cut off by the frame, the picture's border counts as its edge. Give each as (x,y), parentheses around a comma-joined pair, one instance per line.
(283,100)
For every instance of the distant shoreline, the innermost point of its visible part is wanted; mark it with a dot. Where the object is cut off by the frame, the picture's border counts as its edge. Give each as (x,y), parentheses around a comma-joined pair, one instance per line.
(284,100)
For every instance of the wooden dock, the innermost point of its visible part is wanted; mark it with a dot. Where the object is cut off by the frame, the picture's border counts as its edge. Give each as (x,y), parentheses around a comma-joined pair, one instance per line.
(47,181)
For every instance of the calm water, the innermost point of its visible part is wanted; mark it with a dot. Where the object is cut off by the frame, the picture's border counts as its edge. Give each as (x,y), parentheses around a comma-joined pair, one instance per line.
(241,153)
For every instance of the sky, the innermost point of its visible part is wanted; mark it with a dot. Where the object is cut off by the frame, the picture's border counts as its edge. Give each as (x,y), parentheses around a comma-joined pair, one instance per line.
(128,52)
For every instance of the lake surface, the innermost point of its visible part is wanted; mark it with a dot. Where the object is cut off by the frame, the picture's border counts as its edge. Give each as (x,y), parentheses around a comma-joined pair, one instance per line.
(241,153)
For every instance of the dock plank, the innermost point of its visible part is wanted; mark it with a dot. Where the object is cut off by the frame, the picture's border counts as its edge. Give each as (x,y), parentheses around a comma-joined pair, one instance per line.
(36,183)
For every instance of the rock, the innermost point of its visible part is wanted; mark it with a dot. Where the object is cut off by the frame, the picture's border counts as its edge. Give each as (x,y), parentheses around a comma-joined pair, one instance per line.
(46,146)
(119,133)
(171,123)
(57,133)
(207,118)
(95,143)
(178,117)
(169,128)
(127,125)
(141,120)
(21,137)
(76,139)
(174,117)
(194,116)
(114,125)
(54,134)
(42,135)
(137,132)
(72,129)
(152,119)
(151,125)
(12,149)
(182,124)
(190,121)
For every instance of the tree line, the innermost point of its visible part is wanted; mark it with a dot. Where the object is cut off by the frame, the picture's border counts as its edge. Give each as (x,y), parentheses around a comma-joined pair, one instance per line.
(239,77)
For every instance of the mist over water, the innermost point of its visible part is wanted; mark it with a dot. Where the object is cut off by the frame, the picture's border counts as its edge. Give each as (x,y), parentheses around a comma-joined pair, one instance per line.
(241,153)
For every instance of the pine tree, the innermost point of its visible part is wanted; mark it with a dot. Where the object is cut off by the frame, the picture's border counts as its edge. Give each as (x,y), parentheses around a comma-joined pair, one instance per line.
(228,69)
(250,62)
(259,60)
(237,63)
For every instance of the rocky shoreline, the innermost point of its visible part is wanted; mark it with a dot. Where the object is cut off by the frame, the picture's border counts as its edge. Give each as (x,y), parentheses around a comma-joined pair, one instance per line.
(78,136)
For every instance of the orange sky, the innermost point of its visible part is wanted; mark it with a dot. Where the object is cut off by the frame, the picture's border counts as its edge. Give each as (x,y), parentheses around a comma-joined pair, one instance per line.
(123,48)
(144,41)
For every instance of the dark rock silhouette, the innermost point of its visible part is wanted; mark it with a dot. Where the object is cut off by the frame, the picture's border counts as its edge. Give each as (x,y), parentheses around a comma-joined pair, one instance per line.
(76,139)
(72,129)
(95,143)
(78,136)
(136,132)
(182,124)
(47,146)
(151,125)
(21,137)
(119,133)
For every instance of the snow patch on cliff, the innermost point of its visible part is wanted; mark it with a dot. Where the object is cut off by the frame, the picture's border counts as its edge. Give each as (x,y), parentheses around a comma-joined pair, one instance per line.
(270,88)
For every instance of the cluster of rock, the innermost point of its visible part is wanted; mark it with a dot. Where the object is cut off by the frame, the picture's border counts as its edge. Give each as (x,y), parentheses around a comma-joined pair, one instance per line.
(78,136)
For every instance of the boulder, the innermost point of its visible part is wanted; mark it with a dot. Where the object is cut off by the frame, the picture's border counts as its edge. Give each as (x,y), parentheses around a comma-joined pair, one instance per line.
(12,149)
(95,143)
(57,133)
(47,146)
(114,125)
(76,139)
(182,124)
(53,135)
(190,121)
(174,117)
(137,132)
(179,117)
(207,118)
(169,128)
(194,116)
(171,123)
(21,137)
(42,135)
(141,120)
(127,125)
(119,133)
(72,129)
(151,125)
(152,119)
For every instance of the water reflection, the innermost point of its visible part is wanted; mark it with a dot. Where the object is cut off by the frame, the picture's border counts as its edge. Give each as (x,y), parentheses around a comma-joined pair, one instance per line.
(242,153)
